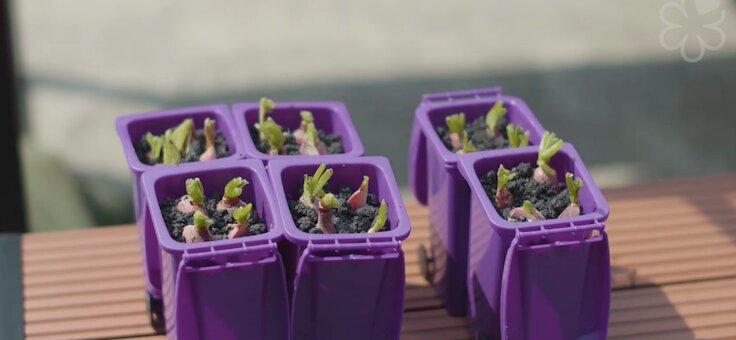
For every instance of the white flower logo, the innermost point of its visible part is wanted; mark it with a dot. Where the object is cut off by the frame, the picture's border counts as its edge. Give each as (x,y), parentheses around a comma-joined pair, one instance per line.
(692,27)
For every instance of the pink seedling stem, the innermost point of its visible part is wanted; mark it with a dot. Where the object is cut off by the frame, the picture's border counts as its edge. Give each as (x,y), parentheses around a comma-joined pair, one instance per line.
(324,217)
(193,201)
(231,195)
(359,198)
(197,232)
(300,135)
(573,187)
(504,198)
(527,211)
(241,216)
(209,136)
(548,147)
(311,145)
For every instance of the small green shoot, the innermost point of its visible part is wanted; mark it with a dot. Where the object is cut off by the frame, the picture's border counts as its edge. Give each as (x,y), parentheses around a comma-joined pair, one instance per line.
(380,220)
(573,187)
(503,176)
(234,188)
(273,134)
(329,201)
(156,144)
(307,117)
(493,117)
(529,208)
(172,155)
(456,124)
(517,136)
(313,185)
(201,221)
(242,214)
(195,191)
(182,134)
(468,146)
(264,108)
(312,136)
(547,148)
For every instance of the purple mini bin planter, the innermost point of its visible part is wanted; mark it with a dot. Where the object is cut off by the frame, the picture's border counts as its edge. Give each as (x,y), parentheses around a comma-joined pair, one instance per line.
(331,117)
(344,286)
(537,280)
(226,289)
(435,180)
(130,129)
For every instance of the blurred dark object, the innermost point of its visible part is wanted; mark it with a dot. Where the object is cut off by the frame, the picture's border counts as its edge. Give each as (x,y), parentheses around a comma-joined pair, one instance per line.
(11,196)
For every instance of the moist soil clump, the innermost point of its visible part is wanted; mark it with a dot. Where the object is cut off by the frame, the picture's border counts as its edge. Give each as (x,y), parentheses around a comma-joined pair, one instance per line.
(549,199)
(176,220)
(196,148)
(331,141)
(345,222)
(478,136)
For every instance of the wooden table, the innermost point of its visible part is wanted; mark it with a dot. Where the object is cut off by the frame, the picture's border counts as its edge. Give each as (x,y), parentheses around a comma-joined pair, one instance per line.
(673,252)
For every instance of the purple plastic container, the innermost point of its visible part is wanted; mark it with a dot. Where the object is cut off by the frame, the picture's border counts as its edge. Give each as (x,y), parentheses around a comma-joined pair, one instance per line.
(227,289)
(331,117)
(537,280)
(344,286)
(130,129)
(435,181)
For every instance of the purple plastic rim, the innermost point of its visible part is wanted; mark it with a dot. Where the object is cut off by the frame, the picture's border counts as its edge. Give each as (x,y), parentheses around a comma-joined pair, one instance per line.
(592,204)
(347,172)
(132,127)
(214,176)
(332,117)
(432,111)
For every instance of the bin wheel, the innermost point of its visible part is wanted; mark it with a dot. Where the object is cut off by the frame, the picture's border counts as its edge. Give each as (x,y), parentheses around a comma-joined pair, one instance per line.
(426,263)
(156,313)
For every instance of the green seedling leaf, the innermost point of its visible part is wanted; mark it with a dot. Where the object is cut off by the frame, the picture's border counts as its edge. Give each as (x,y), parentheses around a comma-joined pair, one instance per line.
(201,221)
(234,188)
(503,177)
(380,220)
(468,146)
(456,123)
(573,187)
(273,134)
(493,117)
(182,134)
(548,147)
(242,214)
(313,185)
(312,136)
(172,155)
(306,117)
(195,191)
(517,136)
(265,107)
(329,201)
(156,144)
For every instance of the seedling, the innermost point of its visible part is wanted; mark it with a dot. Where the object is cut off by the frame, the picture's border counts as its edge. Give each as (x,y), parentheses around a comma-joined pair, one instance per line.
(265,107)
(380,220)
(504,198)
(156,144)
(517,136)
(311,145)
(273,134)
(193,201)
(467,147)
(300,135)
(526,211)
(197,231)
(231,195)
(493,119)
(456,125)
(209,137)
(313,185)
(324,217)
(359,198)
(241,216)
(182,135)
(573,188)
(548,147)
(171,153)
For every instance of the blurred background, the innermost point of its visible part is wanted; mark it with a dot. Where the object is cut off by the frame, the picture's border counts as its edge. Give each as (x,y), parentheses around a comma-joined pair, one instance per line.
(623,80)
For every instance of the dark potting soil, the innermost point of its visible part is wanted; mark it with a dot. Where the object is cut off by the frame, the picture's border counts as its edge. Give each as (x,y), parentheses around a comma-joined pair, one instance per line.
(476,131)
(549,199)
(345,222)
(332,142)
(196,147)
(176,220)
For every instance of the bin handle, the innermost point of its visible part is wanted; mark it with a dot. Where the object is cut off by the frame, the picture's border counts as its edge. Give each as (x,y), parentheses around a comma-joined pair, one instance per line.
(418,163)
(453,96)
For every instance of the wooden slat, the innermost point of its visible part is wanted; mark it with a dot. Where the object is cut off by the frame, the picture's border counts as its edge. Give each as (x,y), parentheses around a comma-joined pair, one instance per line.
(674,242)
